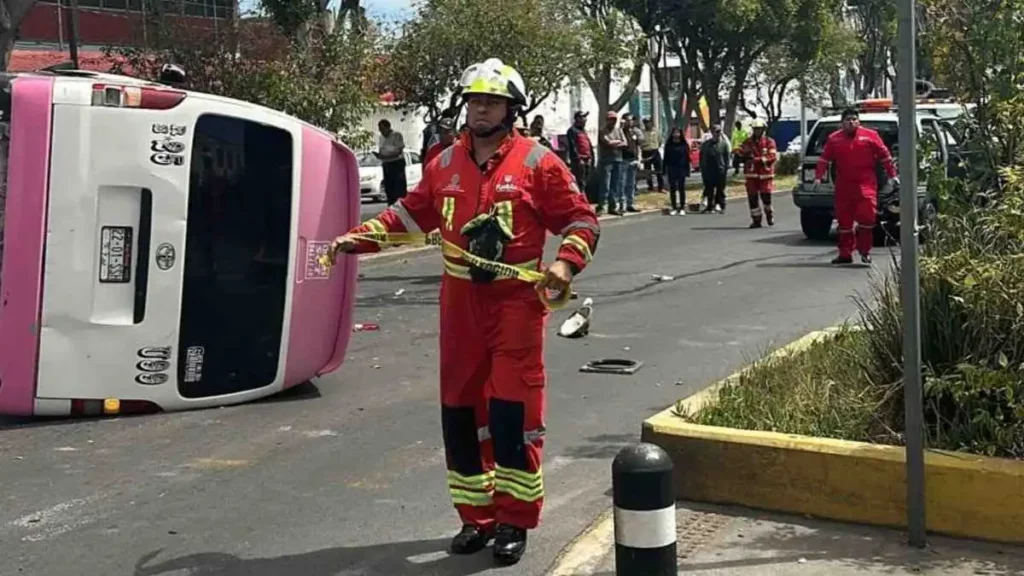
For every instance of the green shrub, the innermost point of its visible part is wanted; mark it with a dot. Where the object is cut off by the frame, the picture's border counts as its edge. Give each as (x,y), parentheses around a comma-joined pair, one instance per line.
(788,164)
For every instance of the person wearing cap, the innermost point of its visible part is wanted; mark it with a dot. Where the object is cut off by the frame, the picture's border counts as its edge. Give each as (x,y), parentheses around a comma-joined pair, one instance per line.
(758,154)
(650,152)
(855,152)
(495,195)
(432,131)
(611,141)
(580,149)
(446,136)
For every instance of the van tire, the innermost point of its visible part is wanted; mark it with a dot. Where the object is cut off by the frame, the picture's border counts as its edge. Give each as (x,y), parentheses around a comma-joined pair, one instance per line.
(816,224)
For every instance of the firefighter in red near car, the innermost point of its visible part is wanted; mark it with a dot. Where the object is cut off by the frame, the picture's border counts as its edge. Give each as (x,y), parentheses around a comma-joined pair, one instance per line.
(495,194)
(856,152)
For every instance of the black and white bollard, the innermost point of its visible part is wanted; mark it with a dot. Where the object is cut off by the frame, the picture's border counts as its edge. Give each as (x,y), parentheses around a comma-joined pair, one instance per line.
(645,512)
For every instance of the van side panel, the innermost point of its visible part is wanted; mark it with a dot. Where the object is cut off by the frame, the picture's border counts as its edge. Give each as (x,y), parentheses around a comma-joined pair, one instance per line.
(321,321)
(24,238)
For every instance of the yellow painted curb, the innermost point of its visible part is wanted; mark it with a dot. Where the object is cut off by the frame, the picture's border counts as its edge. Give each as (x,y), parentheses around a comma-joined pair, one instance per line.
(967,495)
(585,554)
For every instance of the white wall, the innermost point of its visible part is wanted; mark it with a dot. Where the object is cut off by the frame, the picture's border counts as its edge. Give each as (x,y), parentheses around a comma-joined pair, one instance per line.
(409,125)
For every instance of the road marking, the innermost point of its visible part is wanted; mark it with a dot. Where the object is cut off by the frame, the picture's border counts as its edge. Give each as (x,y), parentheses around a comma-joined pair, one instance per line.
(219,463)
(57,519)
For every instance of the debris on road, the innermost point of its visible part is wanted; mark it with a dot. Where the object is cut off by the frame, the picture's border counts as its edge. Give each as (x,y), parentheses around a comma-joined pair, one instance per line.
(612,366)
(367,327)
(399,292)
(578,324)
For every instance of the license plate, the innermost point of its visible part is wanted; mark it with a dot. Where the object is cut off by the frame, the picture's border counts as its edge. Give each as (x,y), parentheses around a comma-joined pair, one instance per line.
(116,254)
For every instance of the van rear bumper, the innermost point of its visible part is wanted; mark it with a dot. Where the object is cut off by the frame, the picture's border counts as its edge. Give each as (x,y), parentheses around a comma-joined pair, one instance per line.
(21,280)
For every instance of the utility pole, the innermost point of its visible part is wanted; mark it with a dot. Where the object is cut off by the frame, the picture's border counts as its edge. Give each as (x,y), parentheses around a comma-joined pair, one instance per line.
(906,79)
(72,23)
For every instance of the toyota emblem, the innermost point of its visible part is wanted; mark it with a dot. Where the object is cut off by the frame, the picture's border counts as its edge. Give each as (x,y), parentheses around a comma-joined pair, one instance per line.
(164,256)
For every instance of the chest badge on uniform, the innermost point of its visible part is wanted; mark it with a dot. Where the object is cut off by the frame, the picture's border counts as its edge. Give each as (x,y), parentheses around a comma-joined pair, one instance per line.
(507,186)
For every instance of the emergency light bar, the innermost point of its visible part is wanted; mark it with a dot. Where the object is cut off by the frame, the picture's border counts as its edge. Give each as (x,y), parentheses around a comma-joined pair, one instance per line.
(143,97)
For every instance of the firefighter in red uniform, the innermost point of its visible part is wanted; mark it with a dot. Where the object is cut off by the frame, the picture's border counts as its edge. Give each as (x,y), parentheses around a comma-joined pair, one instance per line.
(496,194)
(759,156)
(856,152)
(446,137)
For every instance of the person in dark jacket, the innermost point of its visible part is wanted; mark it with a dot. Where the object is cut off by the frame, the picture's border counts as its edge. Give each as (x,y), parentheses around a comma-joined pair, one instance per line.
(714,169)
(676,161)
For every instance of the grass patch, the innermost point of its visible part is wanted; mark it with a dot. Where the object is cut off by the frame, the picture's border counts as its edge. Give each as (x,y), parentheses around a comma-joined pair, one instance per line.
(825,390)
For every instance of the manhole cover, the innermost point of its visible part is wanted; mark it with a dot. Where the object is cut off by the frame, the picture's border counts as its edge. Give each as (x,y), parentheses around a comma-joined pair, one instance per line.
(612,366)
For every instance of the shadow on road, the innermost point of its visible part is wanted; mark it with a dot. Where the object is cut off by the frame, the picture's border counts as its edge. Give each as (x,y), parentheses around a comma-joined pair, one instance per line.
(793,239)
(305,391)
(413,558)
(719,228)
(602,446)
(825,264)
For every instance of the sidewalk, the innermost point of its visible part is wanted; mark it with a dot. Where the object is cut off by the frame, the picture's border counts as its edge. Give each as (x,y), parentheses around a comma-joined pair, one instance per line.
(720,540)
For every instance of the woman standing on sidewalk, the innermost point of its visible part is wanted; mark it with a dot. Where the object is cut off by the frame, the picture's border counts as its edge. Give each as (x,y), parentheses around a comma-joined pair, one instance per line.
(676,160)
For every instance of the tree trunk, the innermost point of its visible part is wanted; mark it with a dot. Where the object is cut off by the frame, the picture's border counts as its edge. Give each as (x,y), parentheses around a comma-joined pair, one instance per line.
(735,95)
(12,12)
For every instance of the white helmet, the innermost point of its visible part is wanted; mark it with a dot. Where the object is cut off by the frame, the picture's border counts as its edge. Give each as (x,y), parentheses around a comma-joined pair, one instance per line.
(758,123)
(495,78)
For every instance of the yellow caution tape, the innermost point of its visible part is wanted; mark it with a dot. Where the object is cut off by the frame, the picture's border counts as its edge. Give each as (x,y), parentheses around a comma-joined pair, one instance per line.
(500,269)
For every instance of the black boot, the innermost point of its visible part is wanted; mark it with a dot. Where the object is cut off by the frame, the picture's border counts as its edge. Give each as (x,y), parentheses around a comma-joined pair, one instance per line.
(770,218)
(509,544)
(843,260)
(865,258)
(755,224)
(470,540)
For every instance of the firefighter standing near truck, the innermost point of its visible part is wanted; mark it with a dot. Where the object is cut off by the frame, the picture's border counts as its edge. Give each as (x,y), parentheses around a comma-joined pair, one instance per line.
(759,155)
(494,194)
(856,152)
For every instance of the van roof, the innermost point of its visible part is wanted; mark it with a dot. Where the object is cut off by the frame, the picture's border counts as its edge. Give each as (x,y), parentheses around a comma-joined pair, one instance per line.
(876,117)
(90,77)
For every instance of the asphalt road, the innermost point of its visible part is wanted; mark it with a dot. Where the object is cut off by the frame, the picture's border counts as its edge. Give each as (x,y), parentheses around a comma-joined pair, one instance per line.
(370,209)
(346,476)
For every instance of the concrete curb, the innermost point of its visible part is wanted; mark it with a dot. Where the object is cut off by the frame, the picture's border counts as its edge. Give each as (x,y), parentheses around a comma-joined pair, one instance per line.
(968,496)
(585,554)
(410,250)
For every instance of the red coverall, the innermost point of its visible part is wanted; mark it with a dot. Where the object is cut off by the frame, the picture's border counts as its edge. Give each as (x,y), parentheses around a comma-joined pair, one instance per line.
(759,169)
(856,184)
(492,334)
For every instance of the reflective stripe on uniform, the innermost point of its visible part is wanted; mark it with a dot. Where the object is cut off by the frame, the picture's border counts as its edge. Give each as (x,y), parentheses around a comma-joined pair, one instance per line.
(845,230)
(755,212)
(532,436)
(521,485)
(580,226)
(448,211)
(447,155)
(483,433)
(503,212)
(405,217)
(536,153)
(579,244)
(473,490)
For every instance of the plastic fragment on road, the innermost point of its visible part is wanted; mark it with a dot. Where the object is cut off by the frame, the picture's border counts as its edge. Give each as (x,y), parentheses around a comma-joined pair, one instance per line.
(620,366)
(577,325)
(367,327)
(399,292)
(662,278)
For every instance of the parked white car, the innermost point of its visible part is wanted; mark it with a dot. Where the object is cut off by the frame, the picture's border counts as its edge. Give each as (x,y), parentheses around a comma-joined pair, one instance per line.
(371,176)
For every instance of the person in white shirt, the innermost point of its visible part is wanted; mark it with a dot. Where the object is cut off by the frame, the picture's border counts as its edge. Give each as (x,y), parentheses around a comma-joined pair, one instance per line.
(391,152)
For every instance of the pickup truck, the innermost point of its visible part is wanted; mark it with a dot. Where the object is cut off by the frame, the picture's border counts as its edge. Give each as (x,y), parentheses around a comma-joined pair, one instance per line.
(816,201)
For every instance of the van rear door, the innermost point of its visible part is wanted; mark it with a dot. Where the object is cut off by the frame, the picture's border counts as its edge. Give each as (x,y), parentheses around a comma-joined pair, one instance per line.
(118,199)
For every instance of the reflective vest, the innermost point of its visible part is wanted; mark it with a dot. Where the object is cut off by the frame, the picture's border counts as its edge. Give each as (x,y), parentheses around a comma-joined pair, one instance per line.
(759,158)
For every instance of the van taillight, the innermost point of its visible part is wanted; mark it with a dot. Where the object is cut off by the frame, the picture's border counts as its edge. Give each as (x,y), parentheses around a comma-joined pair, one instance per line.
(143,97)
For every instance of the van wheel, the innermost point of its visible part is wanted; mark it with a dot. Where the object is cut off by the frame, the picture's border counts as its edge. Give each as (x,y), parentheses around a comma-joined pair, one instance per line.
(817,225)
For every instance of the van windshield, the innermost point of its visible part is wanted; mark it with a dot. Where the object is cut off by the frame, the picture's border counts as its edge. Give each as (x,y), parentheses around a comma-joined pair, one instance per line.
(236,256)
